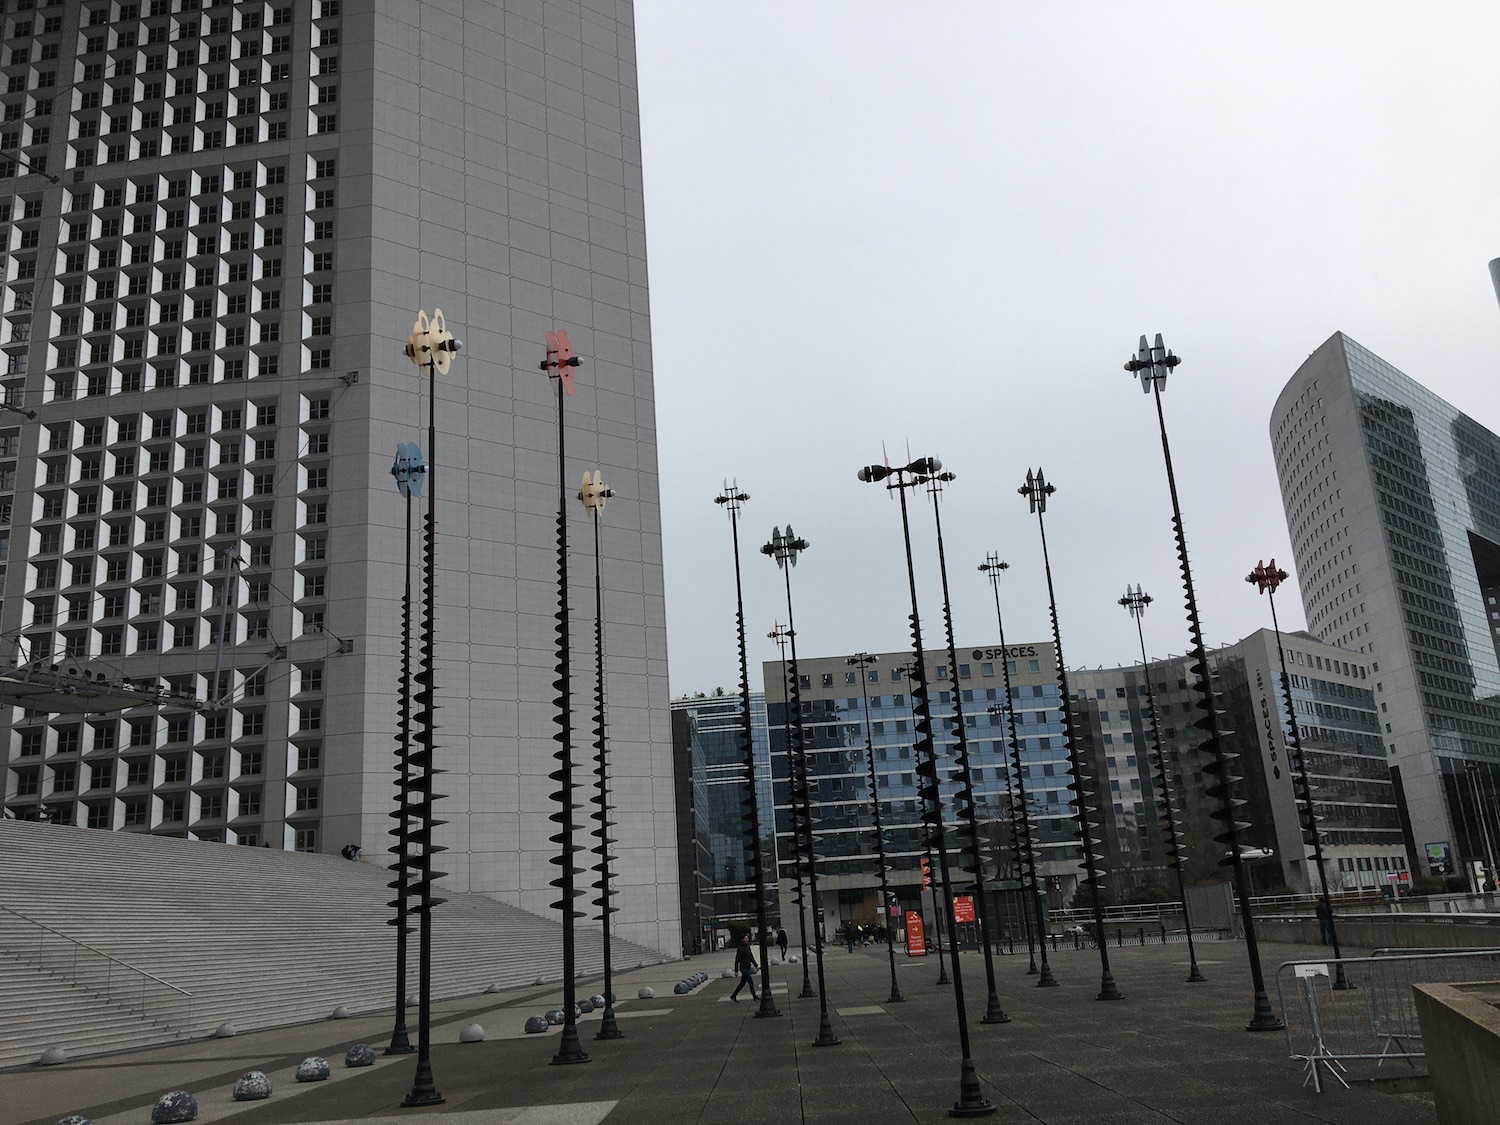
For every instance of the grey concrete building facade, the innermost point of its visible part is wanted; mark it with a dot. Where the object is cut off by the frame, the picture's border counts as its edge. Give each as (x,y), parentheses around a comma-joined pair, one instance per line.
(1392,499)
(217,223)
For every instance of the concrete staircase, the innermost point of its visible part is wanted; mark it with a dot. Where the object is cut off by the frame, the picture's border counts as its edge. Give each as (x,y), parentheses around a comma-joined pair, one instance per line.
(259,938)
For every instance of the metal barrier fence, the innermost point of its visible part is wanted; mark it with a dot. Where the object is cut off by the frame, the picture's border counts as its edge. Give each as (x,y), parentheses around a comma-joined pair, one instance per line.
(1372,1022)
(96,971)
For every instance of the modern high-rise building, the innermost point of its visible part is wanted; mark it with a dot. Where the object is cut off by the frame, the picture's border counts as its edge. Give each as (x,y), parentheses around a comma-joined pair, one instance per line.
(717,877)
(1392,499)
(833,701)
(1352,791)
(217,224)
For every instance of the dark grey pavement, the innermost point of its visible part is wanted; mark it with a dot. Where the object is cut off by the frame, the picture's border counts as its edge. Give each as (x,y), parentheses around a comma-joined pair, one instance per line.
(1169,1052)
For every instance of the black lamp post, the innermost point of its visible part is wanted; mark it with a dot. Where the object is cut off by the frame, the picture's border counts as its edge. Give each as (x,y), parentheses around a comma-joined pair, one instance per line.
(785,549)
(432,346)
(1036,490)
(782,635)
(559,366)
(997,713)
(408,469)
(1136,602)
(864,661)
(1026,843)
(971,1100)
(1267,579)
(939,909)
(731,499)
(963,774)
(1153,364)
(594,495)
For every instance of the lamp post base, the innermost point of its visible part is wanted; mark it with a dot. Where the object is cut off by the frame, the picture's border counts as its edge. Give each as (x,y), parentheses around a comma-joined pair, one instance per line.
(1264,1018)
(1194,976)
(1108,990)
(1047,980)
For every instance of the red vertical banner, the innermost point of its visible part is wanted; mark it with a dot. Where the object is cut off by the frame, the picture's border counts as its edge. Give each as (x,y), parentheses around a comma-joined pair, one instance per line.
(963,908)
(916,937)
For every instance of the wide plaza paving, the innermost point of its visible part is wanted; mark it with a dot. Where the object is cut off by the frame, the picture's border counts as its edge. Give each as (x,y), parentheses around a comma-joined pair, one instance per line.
(1168,1052)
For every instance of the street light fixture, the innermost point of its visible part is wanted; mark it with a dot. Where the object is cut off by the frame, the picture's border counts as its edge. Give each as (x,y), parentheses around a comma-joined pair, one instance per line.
(1036,490)
(1135,602)
(1267,579)
(782,635)
(593,494)
(1153,363)
(559,365)
(864,661)
(1026,840)
(784,549)
(963,774)
(971,1100)
(432,346)
(731,499)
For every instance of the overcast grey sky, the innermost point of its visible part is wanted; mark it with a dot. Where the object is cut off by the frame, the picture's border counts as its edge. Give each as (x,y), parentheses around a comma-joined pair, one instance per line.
(945,225)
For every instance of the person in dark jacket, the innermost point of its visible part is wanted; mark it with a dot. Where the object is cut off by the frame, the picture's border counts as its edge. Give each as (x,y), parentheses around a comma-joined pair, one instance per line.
(781,943)
(744,964)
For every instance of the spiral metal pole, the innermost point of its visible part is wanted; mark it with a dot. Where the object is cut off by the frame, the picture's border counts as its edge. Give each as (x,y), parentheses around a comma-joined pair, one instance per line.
(424,1091)
(1036,490)
(1136,602)
(609,1028)
(400,1043)
(863,660)
(1153,365)
(731,499)
(1269,580)
(992,566)
(971,1100)
(963,774)
(782,635)
(570,1049)
(784,549)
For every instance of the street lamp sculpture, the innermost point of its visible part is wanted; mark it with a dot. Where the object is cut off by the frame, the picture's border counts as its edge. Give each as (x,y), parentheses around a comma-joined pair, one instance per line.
(1153,363)
(408,469)
(939,909)
(593,494)
(998,716)
(781,635)
(1026,841)
(731,499)
(785,549)
(962,774)
(1267,579)
(1135,601)
(559,365)
(864,661)
(971,1100)
(1036,490)
(433,347)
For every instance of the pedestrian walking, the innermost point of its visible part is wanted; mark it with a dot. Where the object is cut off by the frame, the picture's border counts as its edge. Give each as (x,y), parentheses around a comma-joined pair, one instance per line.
(781,943)
(744,964)
(1325,921)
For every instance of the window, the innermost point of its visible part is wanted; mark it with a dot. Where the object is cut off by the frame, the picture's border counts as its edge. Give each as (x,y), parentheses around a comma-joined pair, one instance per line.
(309,757)
(307,800)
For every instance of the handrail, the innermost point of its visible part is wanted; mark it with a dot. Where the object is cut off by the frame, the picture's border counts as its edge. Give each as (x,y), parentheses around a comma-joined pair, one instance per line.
(99,952)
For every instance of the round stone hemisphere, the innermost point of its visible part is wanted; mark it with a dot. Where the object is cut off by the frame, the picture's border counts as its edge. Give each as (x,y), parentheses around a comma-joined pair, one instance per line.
(251,1087)
(361,1054)
(536,1024)
(645,993)
(312,1069)
(473,1033)
(178,1105)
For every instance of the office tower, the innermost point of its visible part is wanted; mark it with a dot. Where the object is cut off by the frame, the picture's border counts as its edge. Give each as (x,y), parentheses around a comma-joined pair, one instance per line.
(219,221)
(716,877)
(1392,499)
(1334,698)
(838,780)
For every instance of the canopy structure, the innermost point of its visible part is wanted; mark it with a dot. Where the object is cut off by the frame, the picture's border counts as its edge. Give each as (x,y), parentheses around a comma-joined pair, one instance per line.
(67,689)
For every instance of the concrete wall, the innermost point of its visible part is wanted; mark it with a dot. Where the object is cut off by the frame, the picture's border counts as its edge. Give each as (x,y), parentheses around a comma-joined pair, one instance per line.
(1461,1030)
(1380,931)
